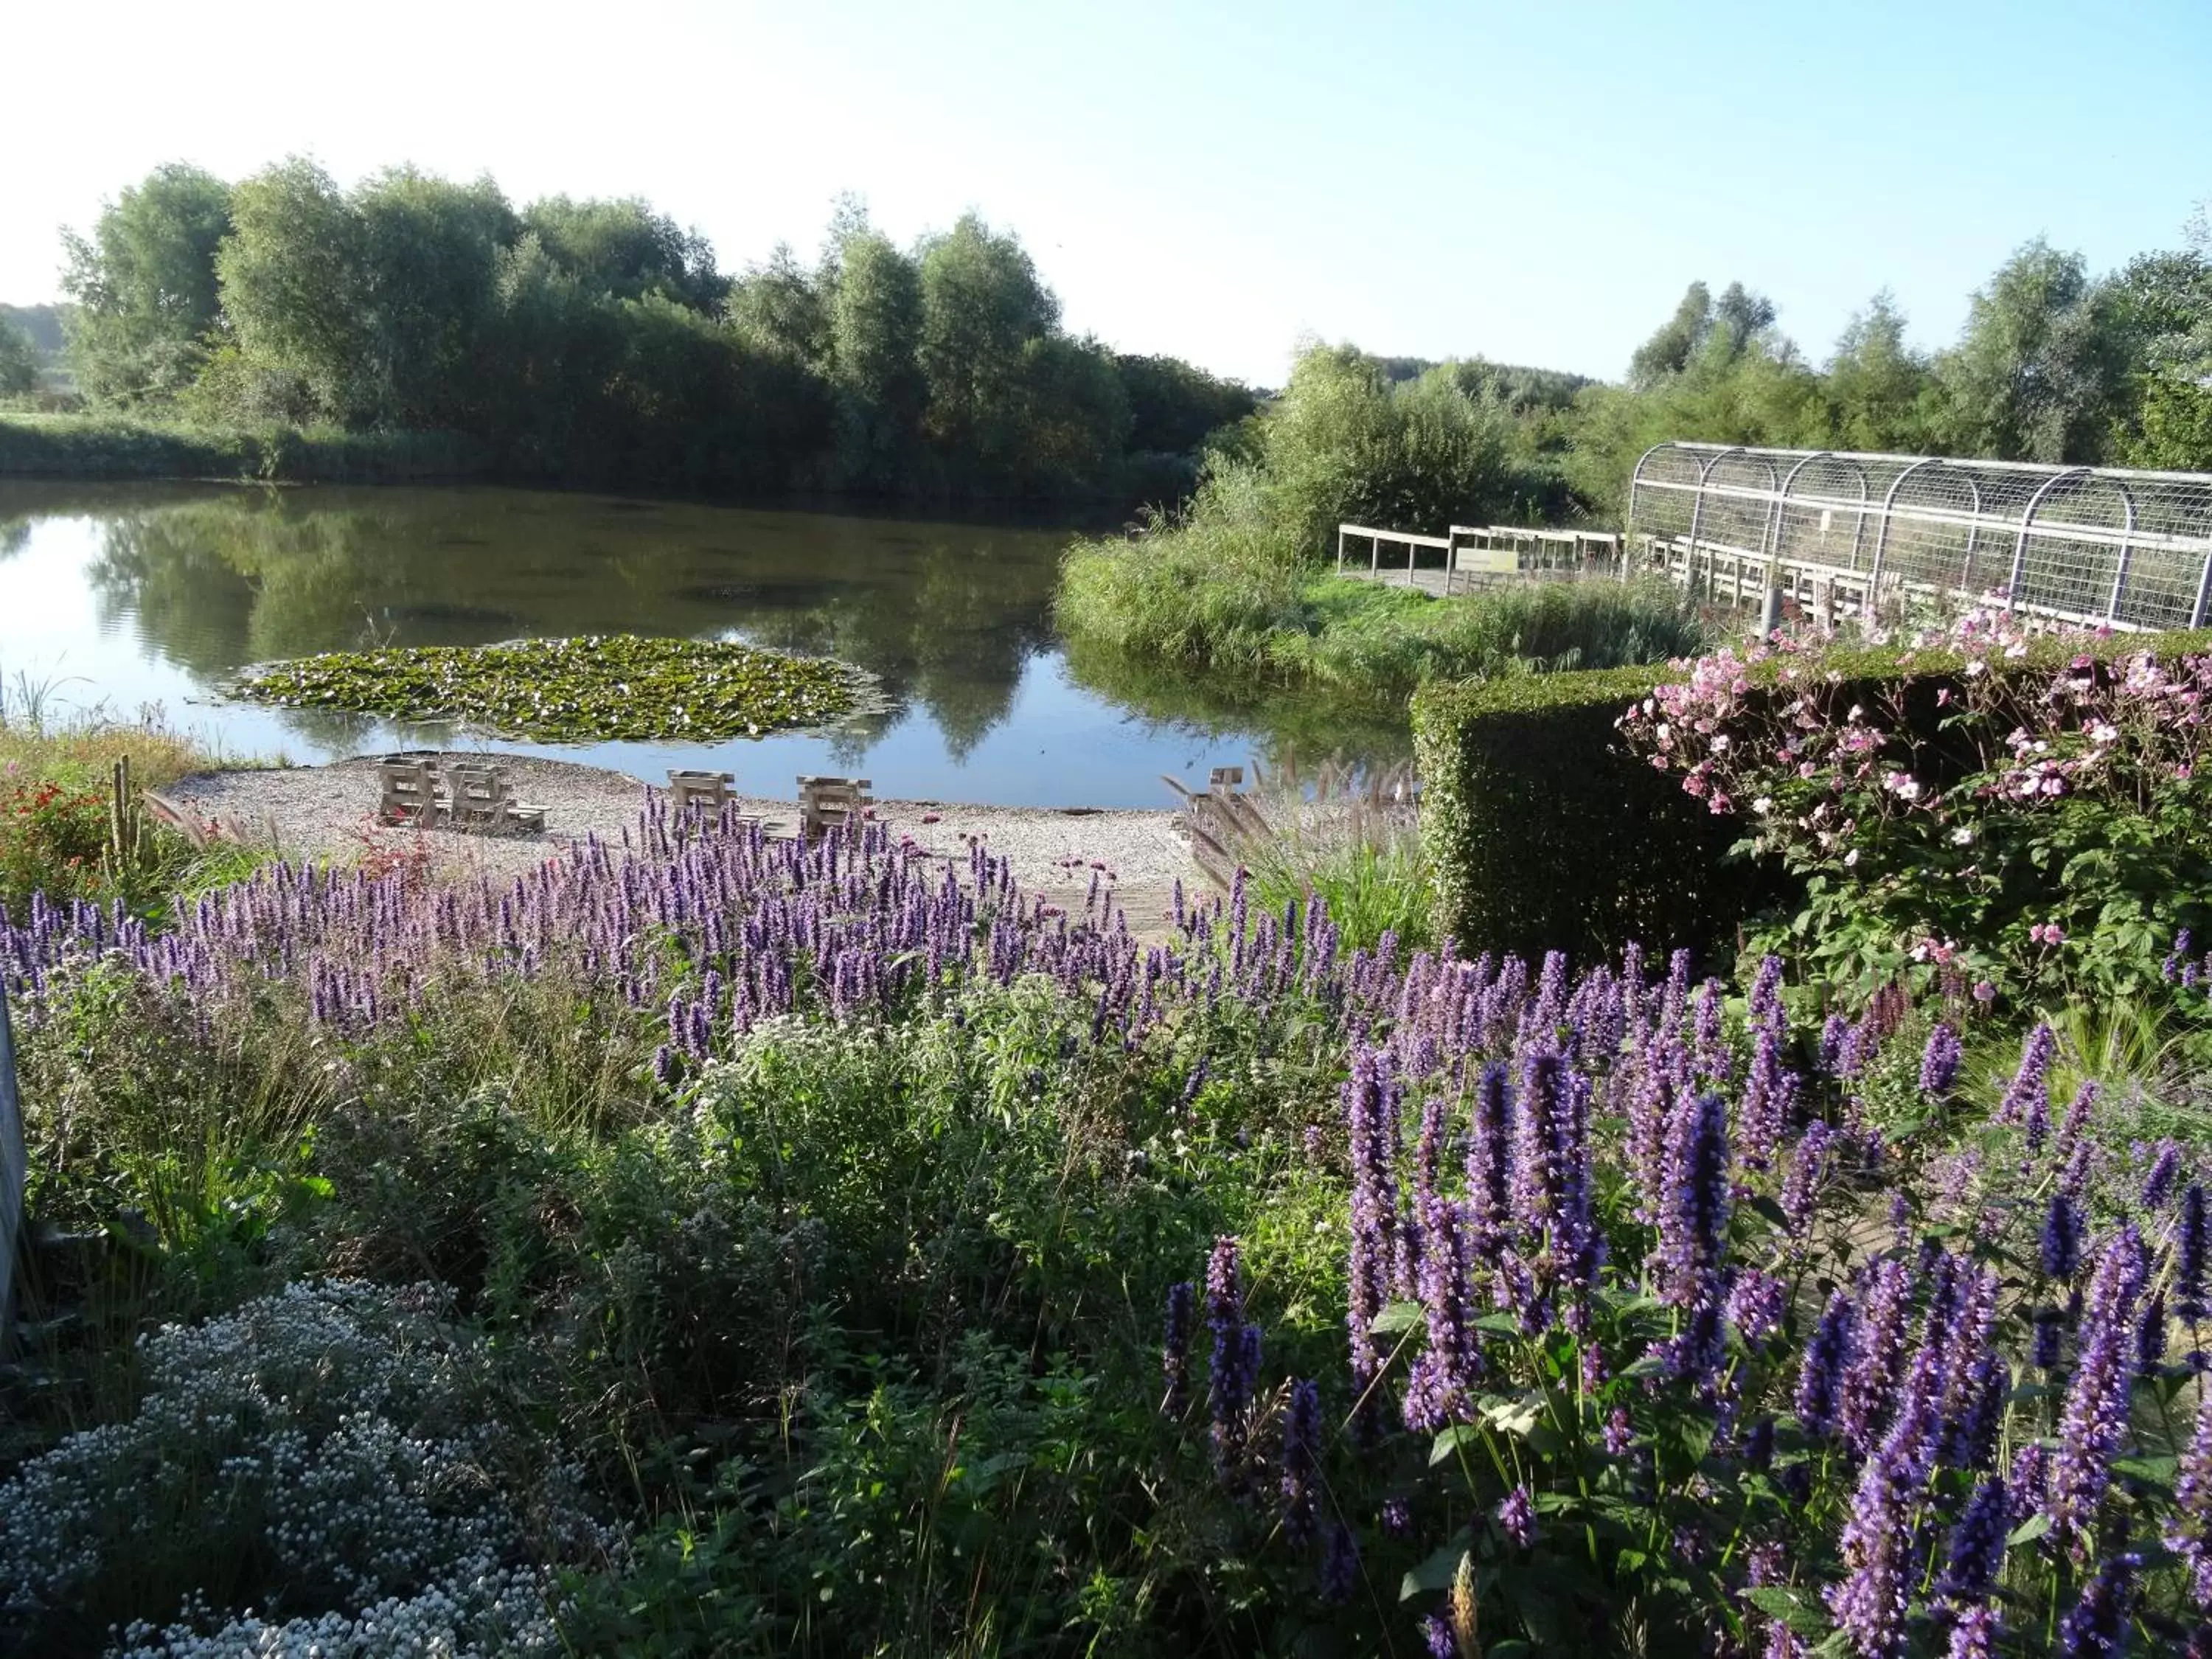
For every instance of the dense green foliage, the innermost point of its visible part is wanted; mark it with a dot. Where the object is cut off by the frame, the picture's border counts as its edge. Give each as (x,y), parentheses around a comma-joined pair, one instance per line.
(80,445)
(595,342)
(587,689)
(1237,584)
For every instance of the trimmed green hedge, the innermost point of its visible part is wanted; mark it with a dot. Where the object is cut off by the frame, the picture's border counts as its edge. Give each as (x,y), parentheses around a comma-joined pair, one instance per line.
(1545,833)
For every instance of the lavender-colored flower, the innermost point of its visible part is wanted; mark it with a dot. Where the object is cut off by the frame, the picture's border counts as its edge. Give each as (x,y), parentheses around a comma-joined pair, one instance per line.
(1489,1158)
(2060,1250)
(2192,1231)
(1833,1031)
(1802,1188)
(1516,1516)
(1757,1303)
(2027,1100)
(1301,1461)
(1339,1563)
(2165,1169)
(1877,1539)
(1819,1381)
(1397,1518)
(2150,1334)
(1236,1361)
(2076,1120)
(2049,1335)
(1437,1637)
(1437,1386)
(665,1072)
(2097,1628)
(1939,1061)
(1182,1308)
(2095,1416)
(1693,1216)
(1877,1354)
(2188,1527)
(1978,1545)
(1974,1634)
(1619,1436)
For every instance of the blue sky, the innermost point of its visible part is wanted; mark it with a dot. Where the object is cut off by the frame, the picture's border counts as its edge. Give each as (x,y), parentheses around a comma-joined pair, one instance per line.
(1534,182)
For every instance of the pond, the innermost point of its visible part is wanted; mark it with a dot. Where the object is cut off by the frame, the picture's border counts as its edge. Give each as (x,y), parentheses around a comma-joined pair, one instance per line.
(122,595)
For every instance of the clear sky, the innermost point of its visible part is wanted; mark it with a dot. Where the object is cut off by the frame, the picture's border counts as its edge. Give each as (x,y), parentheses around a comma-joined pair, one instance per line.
(1532,182)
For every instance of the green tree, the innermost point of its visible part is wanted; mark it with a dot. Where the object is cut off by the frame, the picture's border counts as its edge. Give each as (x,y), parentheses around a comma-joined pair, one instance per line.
(626,250)
(778,306)
(1174,406)
(19,365)
(1340,444)
(428,253)
(981,304)
(2043,366)
(1877,385)
(875,334)
(1667,352)
(1070,413)
(292,290)
(144,282)
(2167,298)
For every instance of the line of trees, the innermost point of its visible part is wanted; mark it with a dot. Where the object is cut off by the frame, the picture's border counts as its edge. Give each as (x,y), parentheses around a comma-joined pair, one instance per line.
(2052,364)
(596,341)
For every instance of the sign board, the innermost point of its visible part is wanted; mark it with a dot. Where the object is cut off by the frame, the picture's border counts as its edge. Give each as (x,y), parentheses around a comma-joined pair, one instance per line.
(1487,561)
(11,1169)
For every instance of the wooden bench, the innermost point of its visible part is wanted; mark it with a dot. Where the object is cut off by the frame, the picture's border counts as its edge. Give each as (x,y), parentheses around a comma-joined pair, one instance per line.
(710,790)
(480,795)
(825,803)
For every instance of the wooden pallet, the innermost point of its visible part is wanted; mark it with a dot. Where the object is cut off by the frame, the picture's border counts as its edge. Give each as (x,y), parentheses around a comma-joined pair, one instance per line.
(826,803)
(710,790)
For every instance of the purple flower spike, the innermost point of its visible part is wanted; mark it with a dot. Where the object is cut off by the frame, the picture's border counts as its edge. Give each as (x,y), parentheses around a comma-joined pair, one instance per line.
(1182,1305)
(2028,1100)
(1939,1063)
(2165,1169)
(1301,1461)
(2097,1628)
(2094,1420)
(1340,1564)
(2060,1244)
(1978,1545)
(1820,1382)
(2188,1528)
(1516,1515)
(1236,1361)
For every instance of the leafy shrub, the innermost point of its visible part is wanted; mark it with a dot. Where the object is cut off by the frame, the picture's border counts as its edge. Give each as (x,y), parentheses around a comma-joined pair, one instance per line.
(2024,813)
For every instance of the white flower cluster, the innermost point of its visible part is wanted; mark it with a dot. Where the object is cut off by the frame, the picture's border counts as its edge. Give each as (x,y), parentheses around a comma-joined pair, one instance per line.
(341,1427)
(481,1609)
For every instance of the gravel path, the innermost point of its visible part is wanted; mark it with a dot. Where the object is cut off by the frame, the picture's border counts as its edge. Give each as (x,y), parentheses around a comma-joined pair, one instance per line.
(330,812)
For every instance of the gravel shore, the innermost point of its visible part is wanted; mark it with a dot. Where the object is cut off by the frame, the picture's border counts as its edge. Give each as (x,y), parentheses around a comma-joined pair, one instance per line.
(330,812)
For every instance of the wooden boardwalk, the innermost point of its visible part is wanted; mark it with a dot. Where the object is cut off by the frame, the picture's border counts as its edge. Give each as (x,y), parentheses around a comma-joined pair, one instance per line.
(1470,558)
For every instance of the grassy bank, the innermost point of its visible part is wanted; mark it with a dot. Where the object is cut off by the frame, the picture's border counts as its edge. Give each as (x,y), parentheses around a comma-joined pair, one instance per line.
(1228,600)
(121,447)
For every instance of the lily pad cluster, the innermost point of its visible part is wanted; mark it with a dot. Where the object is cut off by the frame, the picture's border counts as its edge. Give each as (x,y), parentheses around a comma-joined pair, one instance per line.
(573,690)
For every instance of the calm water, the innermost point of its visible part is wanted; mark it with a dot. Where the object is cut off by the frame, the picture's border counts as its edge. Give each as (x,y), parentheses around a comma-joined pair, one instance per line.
(129,594)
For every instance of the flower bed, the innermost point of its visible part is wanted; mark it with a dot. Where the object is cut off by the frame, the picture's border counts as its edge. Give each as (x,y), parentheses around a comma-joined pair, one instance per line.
(576,690)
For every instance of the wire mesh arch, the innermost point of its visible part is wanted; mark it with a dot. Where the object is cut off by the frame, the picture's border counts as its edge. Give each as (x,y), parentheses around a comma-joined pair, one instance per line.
(2078,543)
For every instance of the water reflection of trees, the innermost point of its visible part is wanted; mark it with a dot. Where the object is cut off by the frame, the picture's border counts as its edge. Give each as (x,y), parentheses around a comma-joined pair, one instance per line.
(944,617)
(1303,725)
